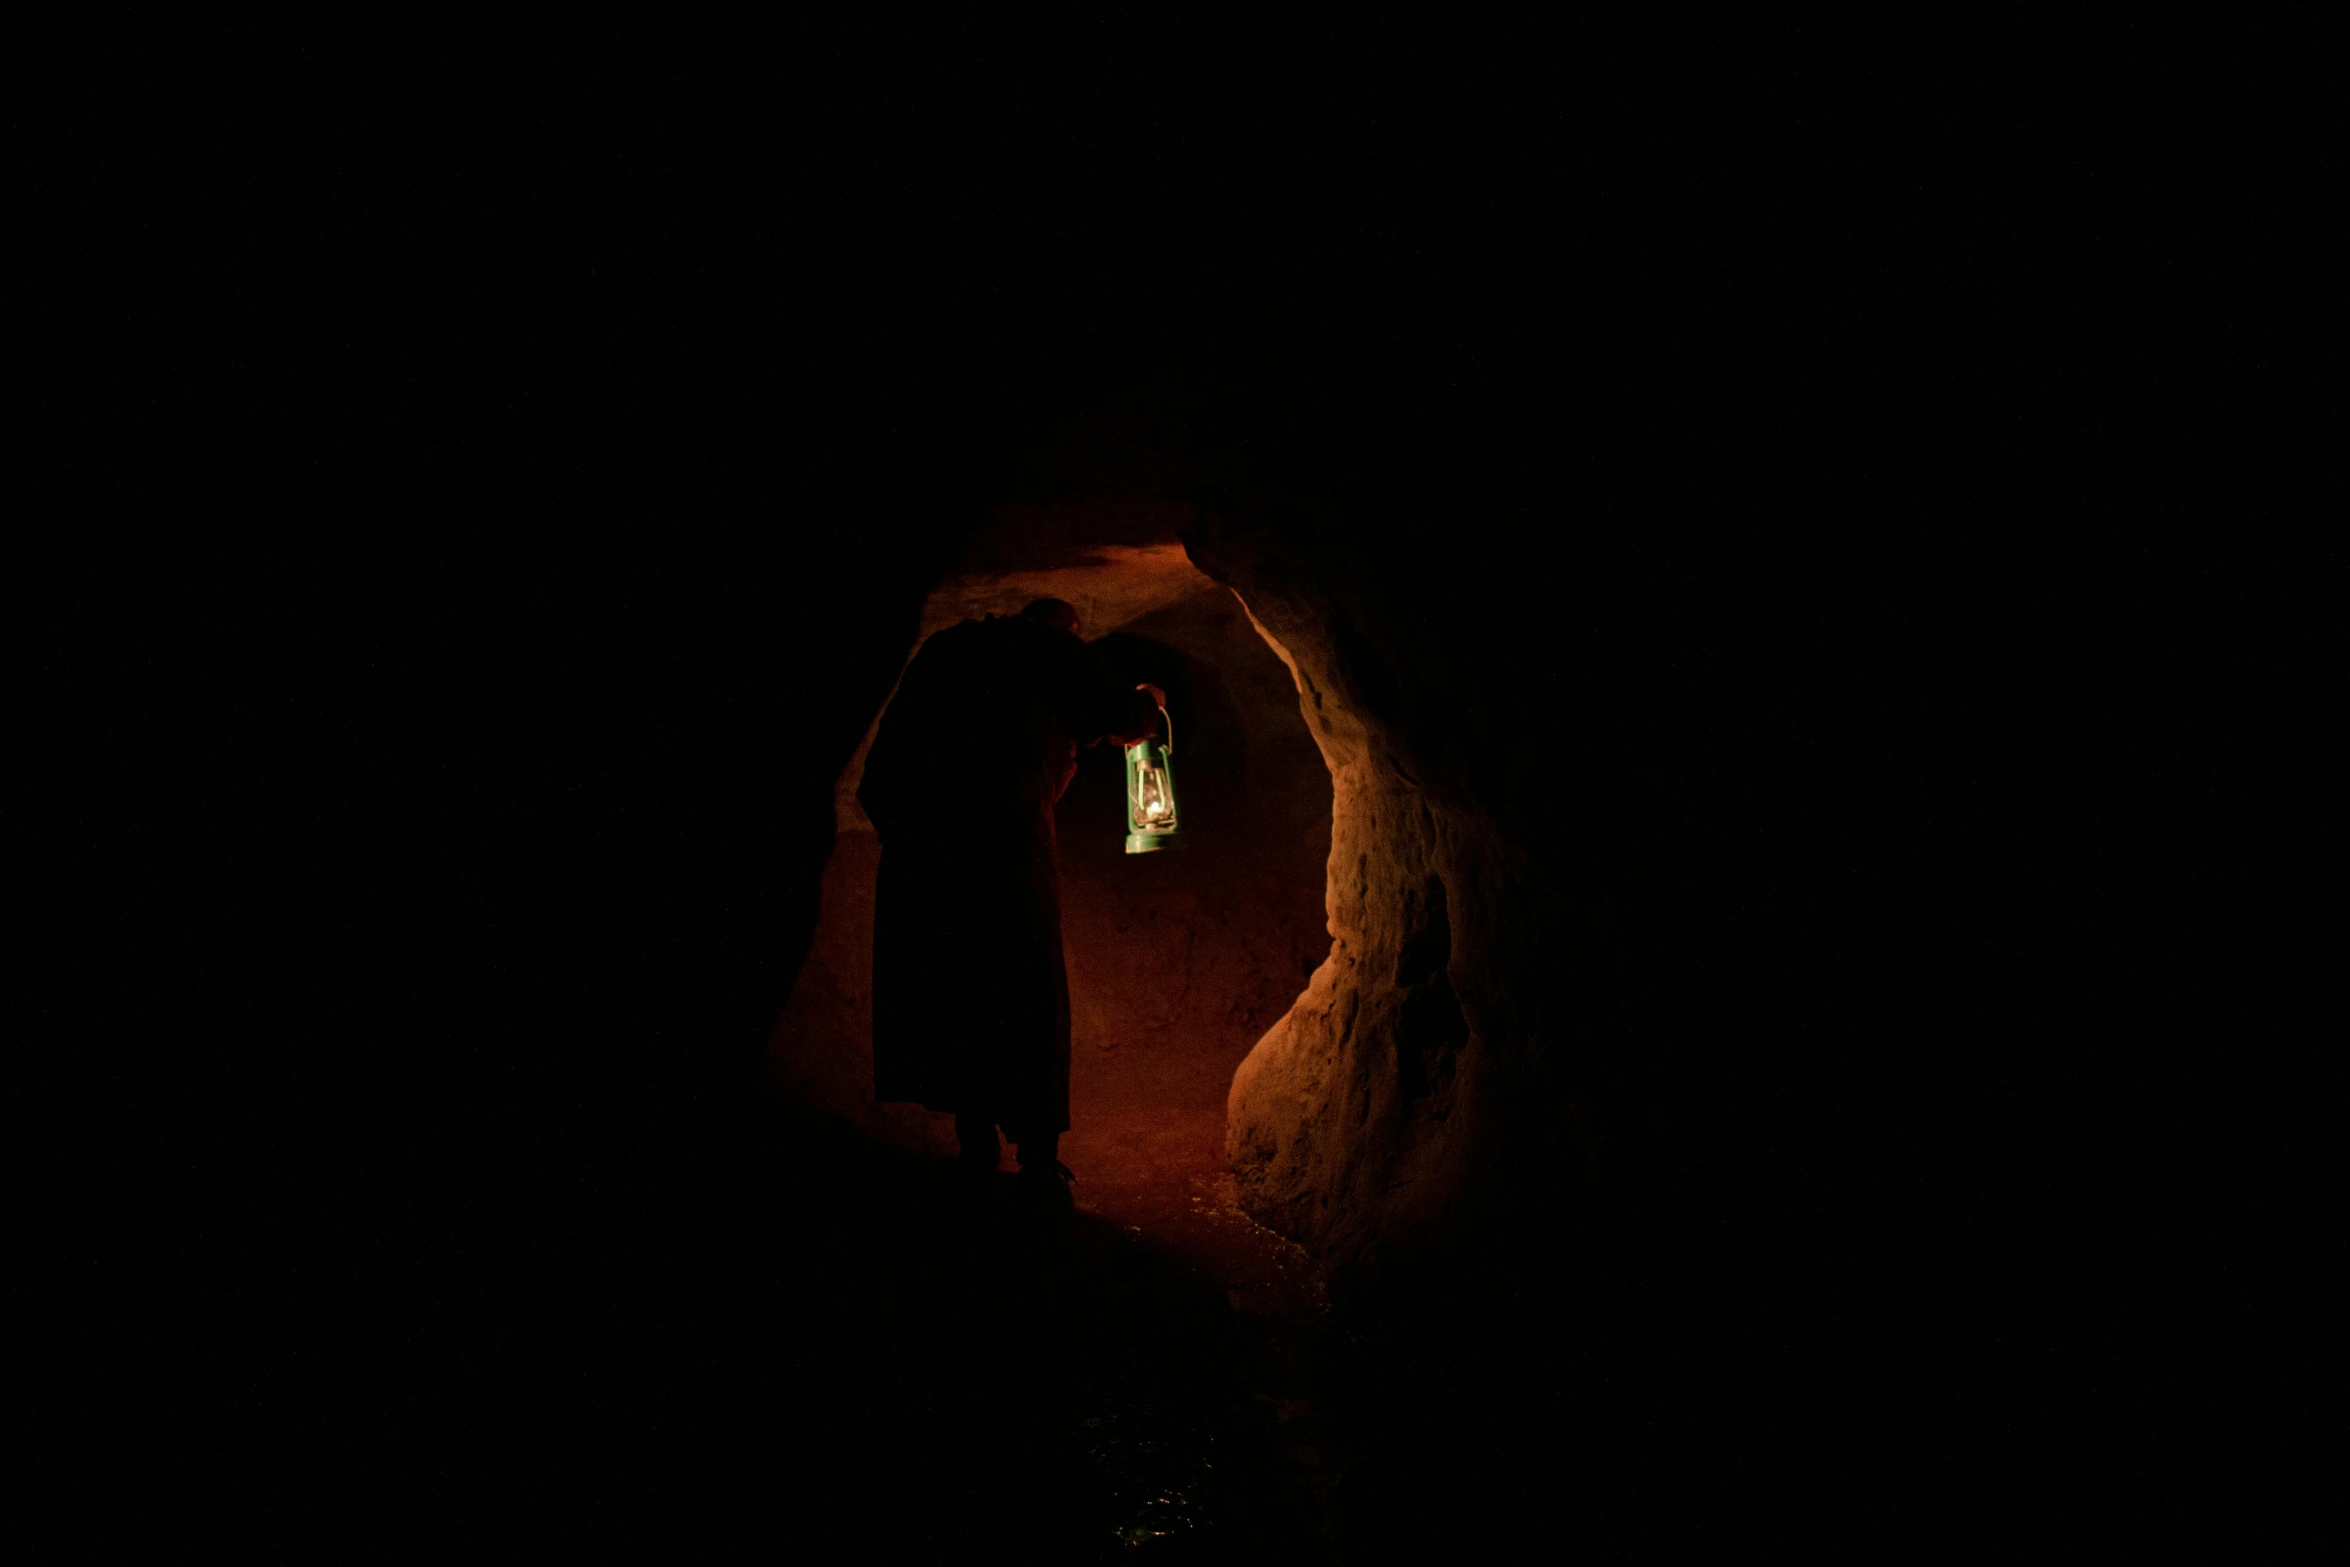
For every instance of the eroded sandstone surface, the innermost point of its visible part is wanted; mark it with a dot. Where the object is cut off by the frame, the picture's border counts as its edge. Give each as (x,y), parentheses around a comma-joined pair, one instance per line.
(1455,1062)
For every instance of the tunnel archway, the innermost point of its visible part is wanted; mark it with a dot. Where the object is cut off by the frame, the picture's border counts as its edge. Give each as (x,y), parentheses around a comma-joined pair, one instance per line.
(1425,1033)
(1179,963)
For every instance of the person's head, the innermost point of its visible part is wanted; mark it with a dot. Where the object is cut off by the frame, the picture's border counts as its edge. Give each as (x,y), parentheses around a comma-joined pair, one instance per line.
(1059,614)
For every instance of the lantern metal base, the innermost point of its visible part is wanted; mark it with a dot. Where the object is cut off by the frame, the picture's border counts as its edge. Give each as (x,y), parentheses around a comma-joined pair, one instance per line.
(1147,842)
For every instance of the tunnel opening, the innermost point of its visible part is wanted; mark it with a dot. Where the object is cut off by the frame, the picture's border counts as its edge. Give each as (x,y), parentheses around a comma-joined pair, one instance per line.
(1342,1063)
(1179,963)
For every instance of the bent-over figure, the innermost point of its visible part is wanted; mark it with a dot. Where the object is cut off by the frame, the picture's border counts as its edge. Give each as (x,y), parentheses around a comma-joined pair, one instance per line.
(970,989)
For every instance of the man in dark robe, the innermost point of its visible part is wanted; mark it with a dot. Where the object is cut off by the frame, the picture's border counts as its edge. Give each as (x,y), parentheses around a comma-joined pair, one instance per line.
(970,990)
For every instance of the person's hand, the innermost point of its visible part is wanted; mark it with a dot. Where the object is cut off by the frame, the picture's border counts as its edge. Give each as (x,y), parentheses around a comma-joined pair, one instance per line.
(1138,722)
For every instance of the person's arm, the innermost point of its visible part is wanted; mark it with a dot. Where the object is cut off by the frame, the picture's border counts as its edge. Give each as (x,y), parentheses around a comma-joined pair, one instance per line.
(1138,714)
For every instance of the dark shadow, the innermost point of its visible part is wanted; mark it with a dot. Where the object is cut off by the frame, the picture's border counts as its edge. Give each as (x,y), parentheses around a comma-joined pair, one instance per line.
(981,1376)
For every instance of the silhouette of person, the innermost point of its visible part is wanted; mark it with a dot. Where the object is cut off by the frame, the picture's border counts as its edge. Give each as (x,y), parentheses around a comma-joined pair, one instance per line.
(970,988)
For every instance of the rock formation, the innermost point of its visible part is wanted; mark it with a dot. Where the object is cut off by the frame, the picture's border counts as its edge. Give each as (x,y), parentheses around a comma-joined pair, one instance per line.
(1465,1056)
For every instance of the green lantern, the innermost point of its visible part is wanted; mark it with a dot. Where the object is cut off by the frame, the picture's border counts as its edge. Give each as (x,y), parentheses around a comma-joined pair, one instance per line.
(1151,822)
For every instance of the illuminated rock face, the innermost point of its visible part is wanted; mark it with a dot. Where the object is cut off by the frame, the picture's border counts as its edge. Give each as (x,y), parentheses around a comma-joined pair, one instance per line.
(1408,1105)
(1342,1124)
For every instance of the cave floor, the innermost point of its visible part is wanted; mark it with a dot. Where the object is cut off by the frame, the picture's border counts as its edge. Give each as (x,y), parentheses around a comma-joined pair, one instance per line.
(1130,1379)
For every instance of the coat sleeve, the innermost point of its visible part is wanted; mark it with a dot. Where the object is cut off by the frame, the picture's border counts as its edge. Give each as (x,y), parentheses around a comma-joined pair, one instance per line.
(1095,705)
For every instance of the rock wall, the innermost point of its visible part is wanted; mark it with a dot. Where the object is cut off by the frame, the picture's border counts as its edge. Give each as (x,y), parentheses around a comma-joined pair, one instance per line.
(1467,1066)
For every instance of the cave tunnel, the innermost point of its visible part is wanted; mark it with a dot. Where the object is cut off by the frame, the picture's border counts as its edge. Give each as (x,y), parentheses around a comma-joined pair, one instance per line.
(1178,962)
(1332,1030)
(1364,1057)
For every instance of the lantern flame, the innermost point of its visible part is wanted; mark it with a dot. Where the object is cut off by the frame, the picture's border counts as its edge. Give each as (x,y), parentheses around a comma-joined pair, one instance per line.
(1154,793)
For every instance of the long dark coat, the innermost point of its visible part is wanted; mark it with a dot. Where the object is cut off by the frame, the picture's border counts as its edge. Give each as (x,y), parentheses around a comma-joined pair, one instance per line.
(970,991)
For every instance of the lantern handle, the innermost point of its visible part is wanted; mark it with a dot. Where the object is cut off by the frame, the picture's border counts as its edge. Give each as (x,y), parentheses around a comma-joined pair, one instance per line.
(1163,713)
